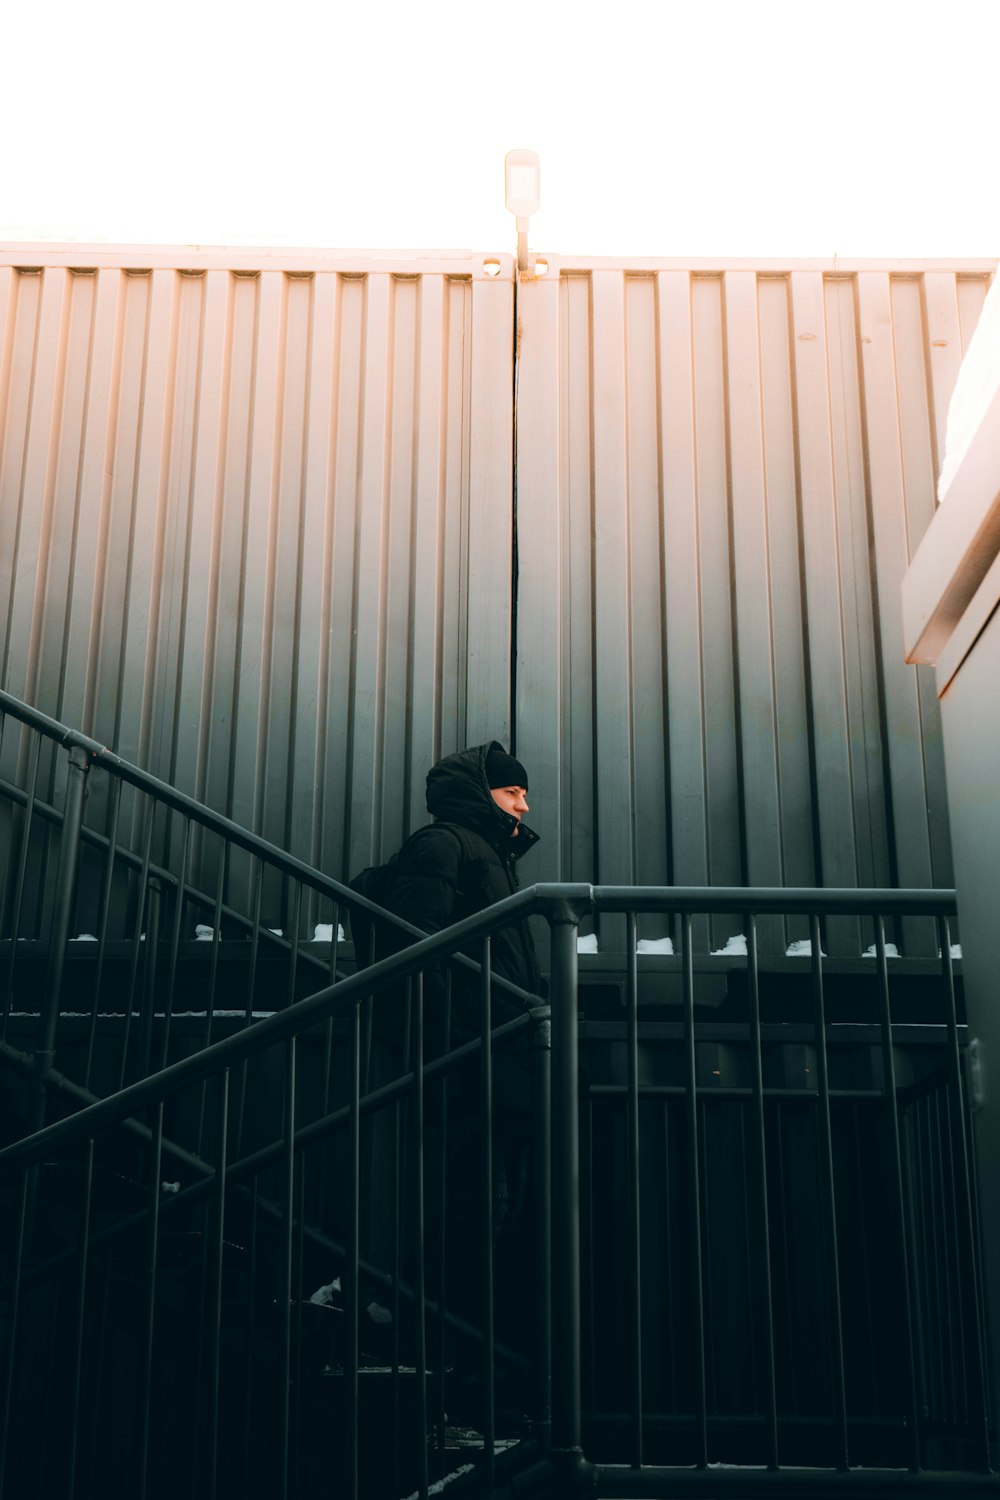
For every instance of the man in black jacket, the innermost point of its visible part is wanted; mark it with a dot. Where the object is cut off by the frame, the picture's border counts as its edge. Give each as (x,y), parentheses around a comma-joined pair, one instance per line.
(466,860)
(462,863)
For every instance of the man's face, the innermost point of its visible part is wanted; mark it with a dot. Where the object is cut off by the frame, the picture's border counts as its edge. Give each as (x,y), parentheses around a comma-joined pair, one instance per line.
(513,799)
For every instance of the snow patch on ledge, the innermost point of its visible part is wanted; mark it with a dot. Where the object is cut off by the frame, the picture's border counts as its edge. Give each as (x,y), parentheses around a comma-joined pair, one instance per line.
(735,946)
(324,933)
(801,948)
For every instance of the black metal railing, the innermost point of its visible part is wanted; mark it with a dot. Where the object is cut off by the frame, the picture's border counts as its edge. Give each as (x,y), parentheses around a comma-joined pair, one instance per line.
(749,1235)
(136,923)
(723,1265)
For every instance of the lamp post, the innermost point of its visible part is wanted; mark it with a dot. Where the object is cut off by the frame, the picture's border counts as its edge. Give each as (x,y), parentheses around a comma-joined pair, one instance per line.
(522,176)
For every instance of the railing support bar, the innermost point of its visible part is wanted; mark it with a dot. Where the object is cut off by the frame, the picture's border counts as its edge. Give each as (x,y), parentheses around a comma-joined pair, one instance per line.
(69,854)
(567,1426)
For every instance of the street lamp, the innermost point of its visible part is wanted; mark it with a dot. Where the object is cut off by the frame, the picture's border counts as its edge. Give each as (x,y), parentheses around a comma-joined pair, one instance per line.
(522,174)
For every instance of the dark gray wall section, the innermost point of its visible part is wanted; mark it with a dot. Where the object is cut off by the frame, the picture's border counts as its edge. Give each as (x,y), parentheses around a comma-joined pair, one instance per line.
(721,479)
(971,712)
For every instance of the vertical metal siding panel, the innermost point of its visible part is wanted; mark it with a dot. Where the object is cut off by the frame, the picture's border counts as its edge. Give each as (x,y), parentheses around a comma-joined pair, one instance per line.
(888,505)
(105,674)
(202,563)
(545,690)
(912,350)
(250,739)
(33,596)
(453,640)
(718,683)
(288,633)
(67,440)
(490,519)
(944,335)
(682,575)
(80,491)
(139,501)
(399,664)
(647,636)
(313,642)
(16,527)
(833,787)
(231,549)
(578,635)
(916,441)
(428,589)
(798,855)
(752,595)
(864,717)
(613,727)
(347,433)
(364,729)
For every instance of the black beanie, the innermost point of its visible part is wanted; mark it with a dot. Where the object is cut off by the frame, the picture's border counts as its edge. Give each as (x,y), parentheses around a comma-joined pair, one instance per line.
(503,770)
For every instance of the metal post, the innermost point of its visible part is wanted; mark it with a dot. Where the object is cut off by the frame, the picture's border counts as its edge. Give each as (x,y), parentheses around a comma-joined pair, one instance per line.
(69,853)
(567,1433)
(542,1173)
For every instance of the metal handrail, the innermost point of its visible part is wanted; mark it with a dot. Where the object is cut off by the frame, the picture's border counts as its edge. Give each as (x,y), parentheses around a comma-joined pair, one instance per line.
(226,828)
(565,903)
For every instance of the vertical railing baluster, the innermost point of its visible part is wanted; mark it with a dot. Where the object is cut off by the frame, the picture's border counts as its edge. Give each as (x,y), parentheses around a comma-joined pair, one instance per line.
(246,1447)
(899,1202)
(419,1277)
(440,1218)
(298,1257)
(353,1249)
(694,1172)
(757,1060)
(957,1108)
(69,854)
(81,1312)
(542,1179)
(668,1265)
(103,922)
(829,1196)
(175,941)
(213,975)
(256,886)
(13,1318)
(17,895)
(486,1199)
(634,1272)
(215,1288)
(293,956)
(147,1011)
(137,938)
(284,1278)
(152,1261)
(566,1341)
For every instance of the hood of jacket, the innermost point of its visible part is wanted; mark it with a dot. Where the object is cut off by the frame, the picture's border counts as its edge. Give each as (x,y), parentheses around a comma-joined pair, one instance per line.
(458,791)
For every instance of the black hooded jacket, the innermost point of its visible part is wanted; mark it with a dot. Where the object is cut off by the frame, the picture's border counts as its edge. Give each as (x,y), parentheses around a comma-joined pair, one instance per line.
(440,878)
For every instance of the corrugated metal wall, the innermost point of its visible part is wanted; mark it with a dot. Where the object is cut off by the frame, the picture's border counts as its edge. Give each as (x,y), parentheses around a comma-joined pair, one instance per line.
(722,474)
(255,533)
(255,523)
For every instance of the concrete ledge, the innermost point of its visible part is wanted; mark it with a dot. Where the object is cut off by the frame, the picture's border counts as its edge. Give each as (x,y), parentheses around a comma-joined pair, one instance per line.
(953,584)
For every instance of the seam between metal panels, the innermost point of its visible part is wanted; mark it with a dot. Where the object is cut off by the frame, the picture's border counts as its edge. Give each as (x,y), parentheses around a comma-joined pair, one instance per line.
(512,671)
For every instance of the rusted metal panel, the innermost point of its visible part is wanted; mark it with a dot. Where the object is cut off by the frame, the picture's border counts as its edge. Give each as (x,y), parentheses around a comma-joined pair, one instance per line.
(711,672)
(255,522)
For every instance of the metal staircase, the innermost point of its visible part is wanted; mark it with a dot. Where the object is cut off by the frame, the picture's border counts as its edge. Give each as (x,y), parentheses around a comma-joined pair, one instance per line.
(239,1256)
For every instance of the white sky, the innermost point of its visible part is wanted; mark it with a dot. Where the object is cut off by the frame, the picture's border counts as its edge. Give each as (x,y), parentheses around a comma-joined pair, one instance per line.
(715,129)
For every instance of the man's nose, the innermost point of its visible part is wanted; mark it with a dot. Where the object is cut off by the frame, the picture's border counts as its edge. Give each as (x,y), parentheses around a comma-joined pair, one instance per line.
(522,804)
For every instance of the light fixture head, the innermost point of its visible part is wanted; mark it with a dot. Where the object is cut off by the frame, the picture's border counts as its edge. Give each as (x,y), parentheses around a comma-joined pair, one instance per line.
(522,174)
